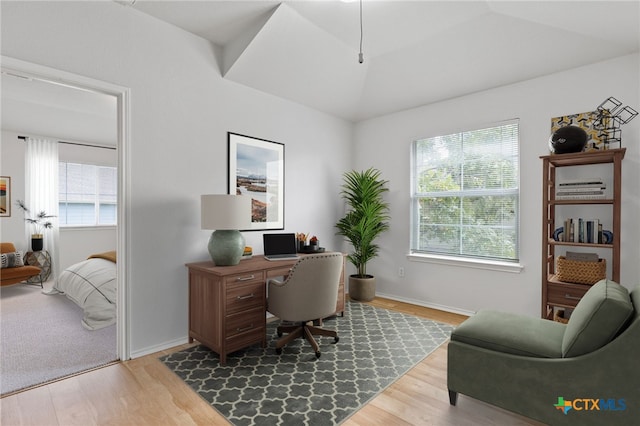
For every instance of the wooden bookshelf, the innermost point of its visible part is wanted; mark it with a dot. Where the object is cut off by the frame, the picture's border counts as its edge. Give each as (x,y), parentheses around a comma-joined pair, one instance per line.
(556,293)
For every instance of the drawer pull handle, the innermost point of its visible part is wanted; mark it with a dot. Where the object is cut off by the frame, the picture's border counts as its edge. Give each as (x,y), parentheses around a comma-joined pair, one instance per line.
(240,330)
(250,277)
(248,296)
(568,296)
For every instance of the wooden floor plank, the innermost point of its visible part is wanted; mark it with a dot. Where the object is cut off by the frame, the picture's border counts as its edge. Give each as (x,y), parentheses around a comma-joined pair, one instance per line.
(71,405)
(374,416)
(36,408)
(143,391)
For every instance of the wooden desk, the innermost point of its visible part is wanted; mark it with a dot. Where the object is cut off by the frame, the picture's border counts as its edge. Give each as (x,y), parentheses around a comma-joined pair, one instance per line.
(228,304)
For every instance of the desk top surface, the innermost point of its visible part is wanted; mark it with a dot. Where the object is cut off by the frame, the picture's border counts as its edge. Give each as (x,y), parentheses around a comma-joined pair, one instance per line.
(257,262)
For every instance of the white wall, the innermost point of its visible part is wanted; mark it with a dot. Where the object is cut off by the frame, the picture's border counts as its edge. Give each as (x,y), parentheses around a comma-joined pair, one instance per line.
(385,143)
(181,111)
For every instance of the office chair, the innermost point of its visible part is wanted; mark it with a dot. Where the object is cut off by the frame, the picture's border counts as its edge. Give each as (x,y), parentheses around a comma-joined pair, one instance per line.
(309,293)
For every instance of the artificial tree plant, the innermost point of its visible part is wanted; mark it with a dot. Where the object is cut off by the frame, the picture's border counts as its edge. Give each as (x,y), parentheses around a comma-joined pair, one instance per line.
(366,218)
(40,222)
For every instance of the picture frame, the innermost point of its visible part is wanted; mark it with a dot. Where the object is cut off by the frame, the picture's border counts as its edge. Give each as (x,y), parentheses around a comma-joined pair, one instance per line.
(588,121)
(256,169)
(5,196)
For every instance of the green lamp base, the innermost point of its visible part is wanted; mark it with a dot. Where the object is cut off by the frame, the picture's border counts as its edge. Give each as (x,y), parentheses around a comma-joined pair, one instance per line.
(226,247)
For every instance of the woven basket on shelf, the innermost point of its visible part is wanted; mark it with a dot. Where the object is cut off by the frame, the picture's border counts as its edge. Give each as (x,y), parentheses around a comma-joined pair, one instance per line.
(580,272)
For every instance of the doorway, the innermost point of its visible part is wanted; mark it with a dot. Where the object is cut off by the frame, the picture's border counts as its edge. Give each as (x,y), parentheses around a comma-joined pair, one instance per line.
(26,70)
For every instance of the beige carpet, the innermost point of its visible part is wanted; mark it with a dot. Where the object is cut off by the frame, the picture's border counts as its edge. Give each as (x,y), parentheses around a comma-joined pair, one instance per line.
(42,339)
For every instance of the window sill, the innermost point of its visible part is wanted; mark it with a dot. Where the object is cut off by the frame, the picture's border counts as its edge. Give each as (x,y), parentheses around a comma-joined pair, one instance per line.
(492,265)
(87,228)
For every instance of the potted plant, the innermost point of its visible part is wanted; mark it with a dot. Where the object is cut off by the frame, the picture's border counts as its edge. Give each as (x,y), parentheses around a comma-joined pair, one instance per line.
(40,222)
(364,221)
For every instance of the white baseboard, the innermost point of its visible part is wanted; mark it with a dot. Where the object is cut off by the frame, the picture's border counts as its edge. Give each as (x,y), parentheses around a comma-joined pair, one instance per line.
(182,341)
(427,305)
(164,346)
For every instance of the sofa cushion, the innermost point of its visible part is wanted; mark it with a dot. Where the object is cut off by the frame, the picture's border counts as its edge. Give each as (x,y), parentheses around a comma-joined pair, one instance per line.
(512,333)
(597,318)
(12,260)
(16,275)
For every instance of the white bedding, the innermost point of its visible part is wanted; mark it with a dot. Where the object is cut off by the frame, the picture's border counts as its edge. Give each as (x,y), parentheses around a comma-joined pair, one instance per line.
(92,285)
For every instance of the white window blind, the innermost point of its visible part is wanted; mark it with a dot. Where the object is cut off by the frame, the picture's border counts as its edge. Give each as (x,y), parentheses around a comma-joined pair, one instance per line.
(87,194)
(465,194)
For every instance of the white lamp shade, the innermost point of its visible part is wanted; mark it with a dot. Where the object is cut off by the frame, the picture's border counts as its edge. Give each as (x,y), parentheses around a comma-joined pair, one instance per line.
(222,211)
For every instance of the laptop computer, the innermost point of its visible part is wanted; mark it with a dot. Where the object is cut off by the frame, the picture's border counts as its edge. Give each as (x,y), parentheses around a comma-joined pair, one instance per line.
(280,246)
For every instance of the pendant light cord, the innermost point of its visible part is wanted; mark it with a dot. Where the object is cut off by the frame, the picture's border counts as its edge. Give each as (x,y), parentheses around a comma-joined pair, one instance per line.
(360,56)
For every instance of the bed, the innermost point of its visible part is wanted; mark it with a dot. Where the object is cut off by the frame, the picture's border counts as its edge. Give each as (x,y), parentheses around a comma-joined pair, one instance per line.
(92,285)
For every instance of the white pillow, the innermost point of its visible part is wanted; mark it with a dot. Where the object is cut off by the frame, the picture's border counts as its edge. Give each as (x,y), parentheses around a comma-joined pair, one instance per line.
(12,260)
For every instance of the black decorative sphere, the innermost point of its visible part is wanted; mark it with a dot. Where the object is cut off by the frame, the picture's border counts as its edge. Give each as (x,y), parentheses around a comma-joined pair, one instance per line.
(568,139)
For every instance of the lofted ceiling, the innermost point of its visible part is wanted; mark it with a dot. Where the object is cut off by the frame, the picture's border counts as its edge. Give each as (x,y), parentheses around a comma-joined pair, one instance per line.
(415,53)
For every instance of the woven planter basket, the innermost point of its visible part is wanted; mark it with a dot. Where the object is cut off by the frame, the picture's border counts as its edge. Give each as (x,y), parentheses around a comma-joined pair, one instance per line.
(579,272)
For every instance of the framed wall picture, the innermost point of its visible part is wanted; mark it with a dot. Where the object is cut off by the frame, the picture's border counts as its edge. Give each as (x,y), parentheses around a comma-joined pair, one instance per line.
(5,196)
(589,122)
(256,170)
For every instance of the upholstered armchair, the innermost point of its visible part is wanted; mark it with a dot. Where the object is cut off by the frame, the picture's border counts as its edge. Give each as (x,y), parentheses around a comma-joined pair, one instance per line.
(585,372)
(15,271)
(309,293)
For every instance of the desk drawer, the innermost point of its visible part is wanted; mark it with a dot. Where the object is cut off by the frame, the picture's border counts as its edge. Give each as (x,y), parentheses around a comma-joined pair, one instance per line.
(565,295)
(245,278)
(245,322)
(240,341)
(245,296)
(280,272)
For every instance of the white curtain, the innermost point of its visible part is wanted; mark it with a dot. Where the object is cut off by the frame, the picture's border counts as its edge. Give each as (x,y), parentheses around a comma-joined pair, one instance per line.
(41,192)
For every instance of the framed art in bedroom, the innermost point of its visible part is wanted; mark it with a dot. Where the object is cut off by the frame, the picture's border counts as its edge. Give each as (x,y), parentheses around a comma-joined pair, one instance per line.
(5,196)
(256,170)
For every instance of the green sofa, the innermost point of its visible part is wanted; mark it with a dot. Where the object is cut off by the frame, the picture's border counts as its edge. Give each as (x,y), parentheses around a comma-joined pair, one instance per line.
(585,372)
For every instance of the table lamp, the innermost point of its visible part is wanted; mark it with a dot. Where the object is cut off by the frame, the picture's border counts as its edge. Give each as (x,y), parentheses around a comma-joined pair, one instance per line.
(226,214)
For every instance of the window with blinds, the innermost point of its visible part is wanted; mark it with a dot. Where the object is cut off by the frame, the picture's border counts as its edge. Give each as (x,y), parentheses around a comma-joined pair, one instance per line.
(465,194)
(87,194)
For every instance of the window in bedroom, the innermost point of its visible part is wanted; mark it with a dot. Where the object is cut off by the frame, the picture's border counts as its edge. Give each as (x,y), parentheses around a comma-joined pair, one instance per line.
(88,194)
(465,194)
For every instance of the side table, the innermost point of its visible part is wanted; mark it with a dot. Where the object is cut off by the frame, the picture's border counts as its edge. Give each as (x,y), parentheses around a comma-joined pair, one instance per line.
(41,259)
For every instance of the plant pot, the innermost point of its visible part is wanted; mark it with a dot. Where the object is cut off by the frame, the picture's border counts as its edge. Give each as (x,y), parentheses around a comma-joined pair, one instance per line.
(37,242)
(362,289)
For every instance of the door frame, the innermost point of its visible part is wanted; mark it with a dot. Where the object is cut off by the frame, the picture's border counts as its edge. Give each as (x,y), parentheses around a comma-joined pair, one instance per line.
(123,95)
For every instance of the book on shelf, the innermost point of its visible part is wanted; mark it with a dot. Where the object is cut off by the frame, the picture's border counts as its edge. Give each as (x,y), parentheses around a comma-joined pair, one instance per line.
(581,182)
(587,189)
(580,190)
(583,231)
(600,195)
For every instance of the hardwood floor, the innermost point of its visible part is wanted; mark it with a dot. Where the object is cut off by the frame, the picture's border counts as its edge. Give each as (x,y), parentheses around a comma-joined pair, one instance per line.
(143,391)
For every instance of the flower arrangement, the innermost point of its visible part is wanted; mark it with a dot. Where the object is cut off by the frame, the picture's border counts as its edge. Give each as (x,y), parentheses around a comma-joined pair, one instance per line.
(40,221)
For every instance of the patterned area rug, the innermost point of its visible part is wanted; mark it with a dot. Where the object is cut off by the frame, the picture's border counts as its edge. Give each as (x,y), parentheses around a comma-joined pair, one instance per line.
(258,387)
